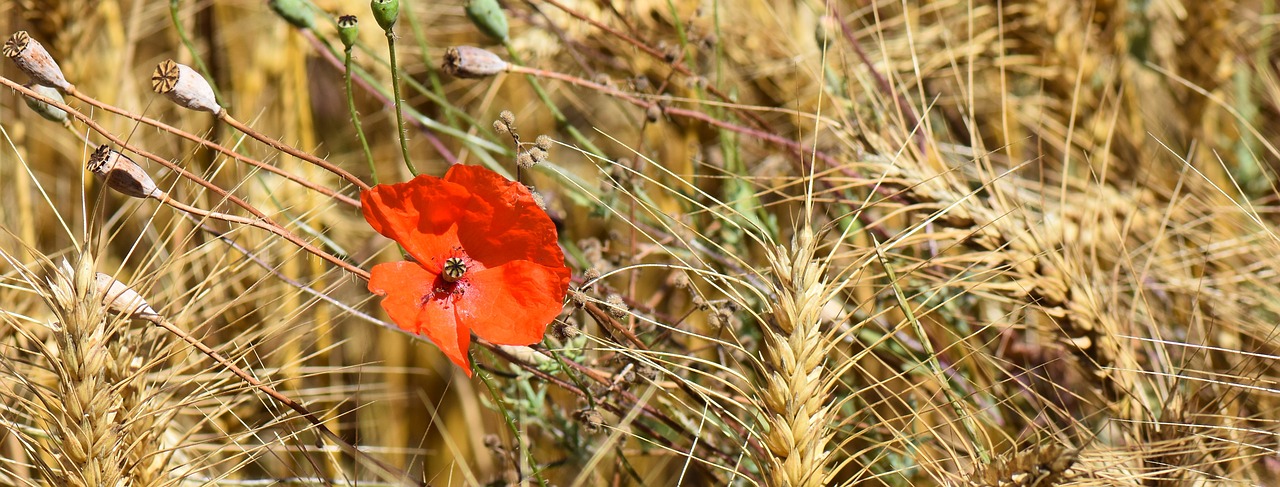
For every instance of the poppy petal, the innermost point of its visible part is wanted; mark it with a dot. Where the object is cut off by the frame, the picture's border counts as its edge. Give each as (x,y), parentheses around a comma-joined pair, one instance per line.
(419,214)
(410,302)
(502,222)
(512,304)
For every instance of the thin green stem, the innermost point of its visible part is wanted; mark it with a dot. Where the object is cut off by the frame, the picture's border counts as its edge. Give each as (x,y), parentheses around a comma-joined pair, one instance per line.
(433,74)
(355,117)
(395,87)
(186,41)
(501,406)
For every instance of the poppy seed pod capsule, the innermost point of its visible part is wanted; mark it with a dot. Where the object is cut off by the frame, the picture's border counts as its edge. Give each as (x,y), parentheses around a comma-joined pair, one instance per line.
(348,30)
(120,298)
(489,18)
(184,86)
(472,62)
(385,12)
(122,174)
(49,112)
(295,12)
(33,59)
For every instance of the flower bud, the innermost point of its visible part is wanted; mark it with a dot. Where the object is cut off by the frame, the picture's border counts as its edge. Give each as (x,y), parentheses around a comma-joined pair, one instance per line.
(184,86)
(49,112)
(385,12)
(489,18)
(120,173)
(33,59)
(472,62)
(348,30)
(295,12)
(120,298)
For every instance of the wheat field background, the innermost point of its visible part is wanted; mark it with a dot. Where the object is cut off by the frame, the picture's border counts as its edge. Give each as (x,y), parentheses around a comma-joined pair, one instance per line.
(899,242)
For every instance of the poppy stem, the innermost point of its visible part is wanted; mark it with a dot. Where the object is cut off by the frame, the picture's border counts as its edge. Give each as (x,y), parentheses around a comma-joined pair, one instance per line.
(355,116)
(395,90)
(517,443)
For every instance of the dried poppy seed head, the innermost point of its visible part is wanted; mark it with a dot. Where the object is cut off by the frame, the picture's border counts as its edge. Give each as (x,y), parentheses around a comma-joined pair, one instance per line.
(454,269)
(121,298)
(543,142)
(122,174)
(184,86)
(33,59)
(49,112)
(472,62)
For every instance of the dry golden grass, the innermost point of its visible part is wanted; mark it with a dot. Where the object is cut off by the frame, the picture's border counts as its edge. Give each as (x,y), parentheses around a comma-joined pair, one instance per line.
(885,242)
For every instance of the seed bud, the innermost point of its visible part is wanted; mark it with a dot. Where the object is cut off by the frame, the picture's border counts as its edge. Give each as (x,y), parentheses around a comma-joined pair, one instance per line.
(348,30)
(184,86)
(524,160)
(49,112)
(489,18)
(543,142)
(120,173)
(120,298)
(33,59)
(472,62)
(295,12)
(617,307)
(386,12)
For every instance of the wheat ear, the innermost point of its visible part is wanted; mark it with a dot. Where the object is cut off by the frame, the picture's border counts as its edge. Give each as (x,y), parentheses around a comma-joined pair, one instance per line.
(792,393)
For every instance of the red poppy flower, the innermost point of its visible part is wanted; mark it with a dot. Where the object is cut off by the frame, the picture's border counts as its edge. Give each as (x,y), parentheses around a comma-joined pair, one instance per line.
(485,259)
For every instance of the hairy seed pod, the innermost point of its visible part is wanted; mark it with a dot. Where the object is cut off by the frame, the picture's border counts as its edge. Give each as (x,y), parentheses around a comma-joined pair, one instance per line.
(472,62)
(49,112)
(33,59)
(386,12)
(122,174)
(348,30)
(488,16)
(184,86)
(525,161)
(296,12)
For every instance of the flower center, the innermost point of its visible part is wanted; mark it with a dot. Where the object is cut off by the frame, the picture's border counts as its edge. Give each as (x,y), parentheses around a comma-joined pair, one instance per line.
(454,269)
